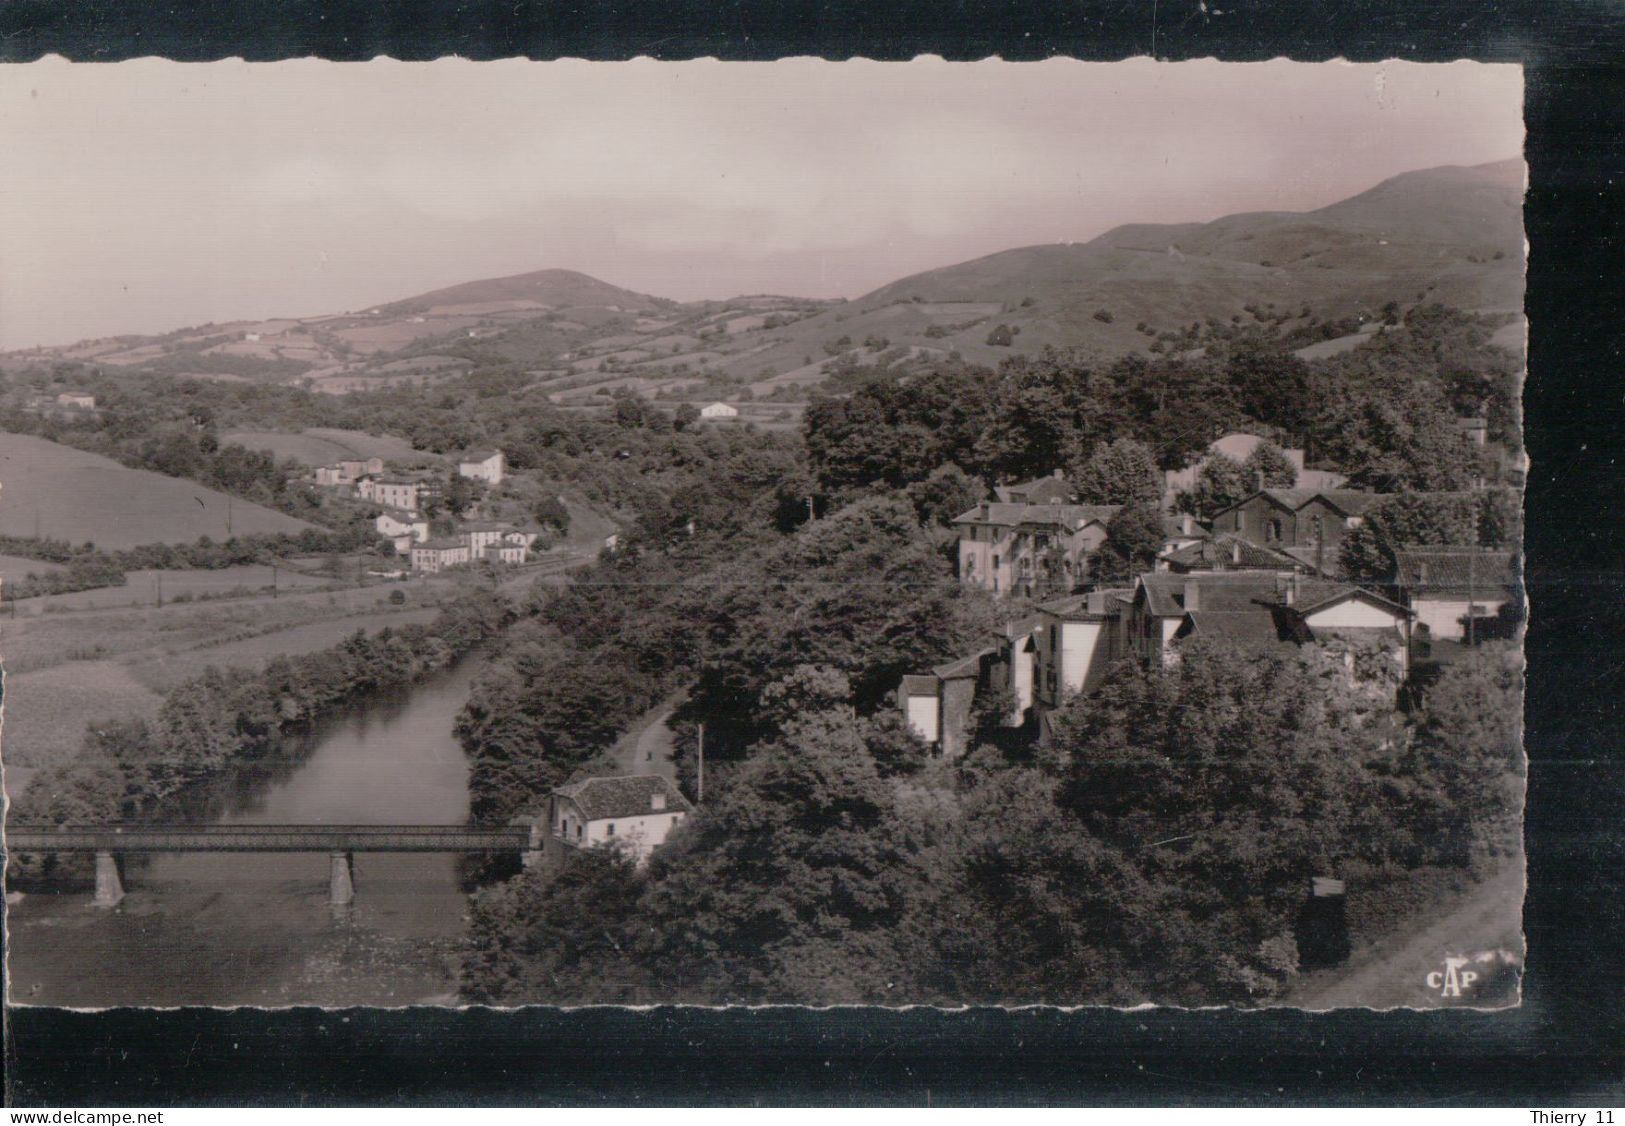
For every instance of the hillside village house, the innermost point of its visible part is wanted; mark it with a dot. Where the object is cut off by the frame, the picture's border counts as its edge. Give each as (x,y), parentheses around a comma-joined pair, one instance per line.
(402,532)
(1054,489)
(1308,526)
(1068,645)
(482,465)
(76,400)
(402,493)
(636,813)
(1007,547)
(719,410)
(348,471)
(1452,588)
(434,556)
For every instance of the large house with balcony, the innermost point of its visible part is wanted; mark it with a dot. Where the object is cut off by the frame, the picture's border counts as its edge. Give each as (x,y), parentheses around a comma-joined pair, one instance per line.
(1030,549)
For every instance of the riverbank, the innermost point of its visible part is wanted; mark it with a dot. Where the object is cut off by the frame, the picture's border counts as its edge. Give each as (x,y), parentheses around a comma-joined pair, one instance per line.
(257,928)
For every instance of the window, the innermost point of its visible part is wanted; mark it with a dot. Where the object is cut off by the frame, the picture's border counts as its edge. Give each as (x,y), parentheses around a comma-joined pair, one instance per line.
(1274,531)
(609,830)
(578,830)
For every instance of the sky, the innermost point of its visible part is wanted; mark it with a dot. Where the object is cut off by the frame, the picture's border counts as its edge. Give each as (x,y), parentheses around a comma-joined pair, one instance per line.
(144,196)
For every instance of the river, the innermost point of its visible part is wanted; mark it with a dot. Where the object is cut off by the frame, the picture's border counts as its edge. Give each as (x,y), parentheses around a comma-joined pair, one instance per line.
(256,928)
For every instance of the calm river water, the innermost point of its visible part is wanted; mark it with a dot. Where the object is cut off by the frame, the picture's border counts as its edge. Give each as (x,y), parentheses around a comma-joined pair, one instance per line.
(256,928)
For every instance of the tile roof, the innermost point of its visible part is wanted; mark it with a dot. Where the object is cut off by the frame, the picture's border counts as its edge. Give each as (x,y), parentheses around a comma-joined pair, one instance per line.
(965,666)
(1228,550)
(1217,590)
(1448,570)
(623,796)
(917,685)
(1350,502)
(441,544)
(477,455)
(1261,628)
(1010,515)
(1040,490)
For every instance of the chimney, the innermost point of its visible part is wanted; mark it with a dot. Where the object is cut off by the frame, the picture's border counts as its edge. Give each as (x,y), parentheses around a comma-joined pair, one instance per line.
(1292,590)
(1187,524)
(1060,474)
(657,800)
(1235,552)
(1193,595)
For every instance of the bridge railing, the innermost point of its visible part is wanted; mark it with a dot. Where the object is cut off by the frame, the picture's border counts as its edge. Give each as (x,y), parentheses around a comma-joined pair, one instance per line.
(265,838)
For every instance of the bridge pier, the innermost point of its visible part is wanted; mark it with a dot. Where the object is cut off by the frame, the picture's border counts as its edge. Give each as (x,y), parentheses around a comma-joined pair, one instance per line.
(341,886)
(109,888)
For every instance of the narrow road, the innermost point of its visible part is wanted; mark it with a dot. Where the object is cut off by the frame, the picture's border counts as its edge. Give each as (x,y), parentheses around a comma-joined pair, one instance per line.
(1394,975)
(647,747)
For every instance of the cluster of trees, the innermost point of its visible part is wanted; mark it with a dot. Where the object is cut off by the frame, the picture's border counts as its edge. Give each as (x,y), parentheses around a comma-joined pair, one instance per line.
(1486,518)
(222,717)
(1160,848)
(1383,413)
(88,567)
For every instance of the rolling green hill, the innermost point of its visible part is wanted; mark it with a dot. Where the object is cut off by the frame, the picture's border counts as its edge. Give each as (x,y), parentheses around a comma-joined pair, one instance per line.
(62,493)
(551,288)
(1452,235)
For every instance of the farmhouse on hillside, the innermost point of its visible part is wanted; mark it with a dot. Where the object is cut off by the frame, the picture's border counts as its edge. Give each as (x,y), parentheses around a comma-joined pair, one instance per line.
(482,465)
(719,410)
(434,556)
(636,813)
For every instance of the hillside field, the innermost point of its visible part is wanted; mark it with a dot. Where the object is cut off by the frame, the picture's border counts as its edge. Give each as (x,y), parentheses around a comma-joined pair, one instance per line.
(58,492)
(323,446)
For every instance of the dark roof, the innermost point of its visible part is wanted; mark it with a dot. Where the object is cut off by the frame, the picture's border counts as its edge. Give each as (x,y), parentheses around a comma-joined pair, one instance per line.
(1317,594)
(1262,628)
(477,455)
(1436,571)
(623,796)
(1350,502)
(963,667)
(1216,590)
(1040,490)
(441,544)
(1289,499)
(1230,551)
(1174,526)
(916,685)
(1011,515)
(1095,603)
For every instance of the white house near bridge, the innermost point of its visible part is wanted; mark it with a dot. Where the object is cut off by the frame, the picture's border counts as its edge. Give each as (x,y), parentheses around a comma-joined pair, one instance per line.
(634,812)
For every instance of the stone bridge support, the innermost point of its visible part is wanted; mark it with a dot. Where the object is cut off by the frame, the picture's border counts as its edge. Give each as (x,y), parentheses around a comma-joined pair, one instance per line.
(109,888)
(341,887)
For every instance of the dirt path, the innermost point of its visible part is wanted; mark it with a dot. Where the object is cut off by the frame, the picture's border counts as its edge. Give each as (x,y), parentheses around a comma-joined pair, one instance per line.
(647,747)
(1395,974)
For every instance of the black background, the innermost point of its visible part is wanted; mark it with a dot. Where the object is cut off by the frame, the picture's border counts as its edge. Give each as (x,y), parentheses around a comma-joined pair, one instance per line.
(1564,1046)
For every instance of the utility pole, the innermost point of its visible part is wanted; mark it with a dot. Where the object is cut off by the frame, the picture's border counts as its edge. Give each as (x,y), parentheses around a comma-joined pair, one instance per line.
(699,788)
(1472,615)
(273,578)
(159,578)
(228,516)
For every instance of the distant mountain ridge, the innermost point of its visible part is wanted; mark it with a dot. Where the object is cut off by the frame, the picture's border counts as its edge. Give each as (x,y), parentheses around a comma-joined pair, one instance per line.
(553,288)
(1450,234)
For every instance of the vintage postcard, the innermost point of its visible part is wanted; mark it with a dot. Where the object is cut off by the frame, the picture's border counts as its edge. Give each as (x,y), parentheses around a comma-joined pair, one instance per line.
(762,533)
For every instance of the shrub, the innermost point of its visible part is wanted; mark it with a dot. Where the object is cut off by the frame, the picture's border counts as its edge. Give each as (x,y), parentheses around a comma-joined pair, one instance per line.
(1104,316)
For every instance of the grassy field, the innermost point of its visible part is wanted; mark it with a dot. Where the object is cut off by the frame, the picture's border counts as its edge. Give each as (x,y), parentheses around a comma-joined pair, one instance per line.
(58,492)
(323,446)
(64,670)
(142,588)
(16,566)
